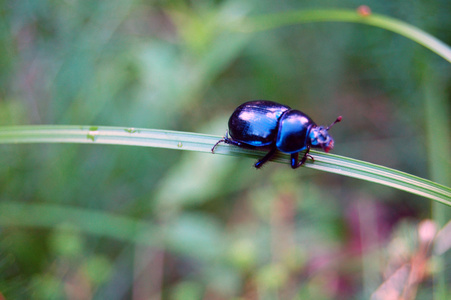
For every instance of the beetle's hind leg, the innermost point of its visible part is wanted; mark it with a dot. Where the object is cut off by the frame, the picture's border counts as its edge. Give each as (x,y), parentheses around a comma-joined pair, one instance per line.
(267,157)
(295,163)
(218,142)
(225,140)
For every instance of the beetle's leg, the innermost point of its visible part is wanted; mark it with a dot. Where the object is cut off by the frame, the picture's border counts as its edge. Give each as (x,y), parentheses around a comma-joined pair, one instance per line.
(306,155)
(295,160)
(223,140)
(226,140)
(295,163)
(270,154)
(218,142)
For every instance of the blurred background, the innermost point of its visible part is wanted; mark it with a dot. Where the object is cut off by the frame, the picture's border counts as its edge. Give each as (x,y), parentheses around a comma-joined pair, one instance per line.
(119,222)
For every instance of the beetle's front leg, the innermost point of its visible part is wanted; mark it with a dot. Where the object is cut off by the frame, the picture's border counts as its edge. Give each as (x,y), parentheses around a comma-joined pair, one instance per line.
(295,163)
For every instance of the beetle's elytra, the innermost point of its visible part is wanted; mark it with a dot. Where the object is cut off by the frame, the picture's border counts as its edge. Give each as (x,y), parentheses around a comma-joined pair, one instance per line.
(268,124)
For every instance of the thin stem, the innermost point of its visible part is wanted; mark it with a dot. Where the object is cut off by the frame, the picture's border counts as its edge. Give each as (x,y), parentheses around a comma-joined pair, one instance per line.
(271,21)
(203,143)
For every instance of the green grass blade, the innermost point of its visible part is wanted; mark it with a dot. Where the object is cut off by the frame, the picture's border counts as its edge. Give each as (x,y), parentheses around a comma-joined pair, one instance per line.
(90,221)
(276,20)
(203,143)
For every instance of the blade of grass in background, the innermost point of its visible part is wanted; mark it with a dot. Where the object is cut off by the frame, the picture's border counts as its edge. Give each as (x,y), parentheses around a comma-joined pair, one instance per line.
(90,221)
(203,143)
(276,20)
(438,150)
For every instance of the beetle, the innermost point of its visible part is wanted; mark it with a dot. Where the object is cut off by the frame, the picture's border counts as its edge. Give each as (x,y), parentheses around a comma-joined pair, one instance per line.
(267,124)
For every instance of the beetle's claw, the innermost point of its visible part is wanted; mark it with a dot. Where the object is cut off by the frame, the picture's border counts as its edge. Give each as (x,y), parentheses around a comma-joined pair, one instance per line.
(220,141)
(225,139)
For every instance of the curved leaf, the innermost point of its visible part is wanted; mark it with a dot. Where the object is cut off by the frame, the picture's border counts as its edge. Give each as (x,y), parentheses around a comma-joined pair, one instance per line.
(203,143)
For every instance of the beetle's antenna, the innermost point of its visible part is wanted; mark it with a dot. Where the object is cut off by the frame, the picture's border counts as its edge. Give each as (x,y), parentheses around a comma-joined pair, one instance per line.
(336,121)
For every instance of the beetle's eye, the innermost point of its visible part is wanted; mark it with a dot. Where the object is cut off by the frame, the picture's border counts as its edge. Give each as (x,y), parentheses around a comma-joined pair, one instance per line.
(319,136)
(323,136)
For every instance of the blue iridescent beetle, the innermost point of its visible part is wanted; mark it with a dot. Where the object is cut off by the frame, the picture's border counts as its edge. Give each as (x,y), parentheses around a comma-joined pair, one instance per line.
(271,125)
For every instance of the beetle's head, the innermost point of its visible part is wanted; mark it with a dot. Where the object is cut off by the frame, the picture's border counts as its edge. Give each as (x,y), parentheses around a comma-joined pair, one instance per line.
(320,137)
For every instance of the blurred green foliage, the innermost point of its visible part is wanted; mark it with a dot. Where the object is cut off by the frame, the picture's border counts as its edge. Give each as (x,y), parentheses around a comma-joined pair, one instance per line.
(218,229)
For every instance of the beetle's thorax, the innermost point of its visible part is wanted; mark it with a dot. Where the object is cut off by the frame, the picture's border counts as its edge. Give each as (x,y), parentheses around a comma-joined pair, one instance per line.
(293,129)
